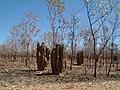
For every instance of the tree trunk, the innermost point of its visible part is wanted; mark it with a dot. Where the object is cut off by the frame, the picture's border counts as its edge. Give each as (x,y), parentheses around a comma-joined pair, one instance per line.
(95,57)
(71,56)
(108,74)
(26,60)
(95,69)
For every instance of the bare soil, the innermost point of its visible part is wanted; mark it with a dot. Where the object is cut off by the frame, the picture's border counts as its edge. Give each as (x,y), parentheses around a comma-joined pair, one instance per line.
(16,76)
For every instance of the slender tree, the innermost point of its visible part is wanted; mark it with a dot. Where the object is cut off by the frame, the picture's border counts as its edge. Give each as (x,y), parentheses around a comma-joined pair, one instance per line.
(28,32)
(56,18)
(73,26)
(97,12)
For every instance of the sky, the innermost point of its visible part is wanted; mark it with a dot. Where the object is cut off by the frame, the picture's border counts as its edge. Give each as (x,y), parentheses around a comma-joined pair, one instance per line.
(11,11)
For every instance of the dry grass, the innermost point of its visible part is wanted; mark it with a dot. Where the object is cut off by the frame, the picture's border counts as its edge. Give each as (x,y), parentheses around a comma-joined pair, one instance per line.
(15,76)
